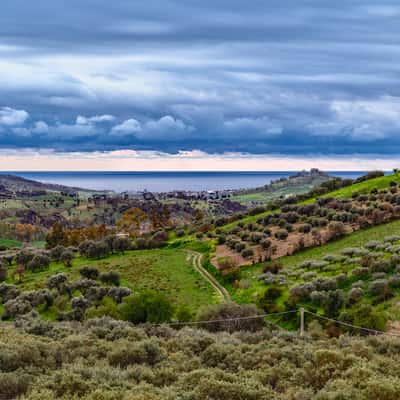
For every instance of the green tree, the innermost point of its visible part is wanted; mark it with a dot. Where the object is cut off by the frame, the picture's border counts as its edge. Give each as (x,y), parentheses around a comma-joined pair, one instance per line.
(146,307)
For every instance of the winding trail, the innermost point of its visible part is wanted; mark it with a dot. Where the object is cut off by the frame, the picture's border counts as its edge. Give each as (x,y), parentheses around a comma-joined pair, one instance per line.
(196,262)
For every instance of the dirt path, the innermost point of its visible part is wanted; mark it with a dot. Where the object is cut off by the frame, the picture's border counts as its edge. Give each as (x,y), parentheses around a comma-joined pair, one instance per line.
(196,261)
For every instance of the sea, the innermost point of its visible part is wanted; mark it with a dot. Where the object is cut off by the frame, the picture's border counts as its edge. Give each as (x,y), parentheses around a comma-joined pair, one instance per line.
(164,181)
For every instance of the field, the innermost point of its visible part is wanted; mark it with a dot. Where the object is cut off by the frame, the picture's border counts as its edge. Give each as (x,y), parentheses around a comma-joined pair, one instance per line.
(280,189)
(7,243)
(169,271)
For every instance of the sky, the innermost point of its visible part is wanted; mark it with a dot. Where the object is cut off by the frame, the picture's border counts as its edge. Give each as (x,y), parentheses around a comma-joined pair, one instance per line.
(221,84)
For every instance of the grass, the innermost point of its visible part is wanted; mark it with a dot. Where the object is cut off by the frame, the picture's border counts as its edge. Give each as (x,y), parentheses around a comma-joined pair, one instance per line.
(10,243)
(165,270)
(278,190)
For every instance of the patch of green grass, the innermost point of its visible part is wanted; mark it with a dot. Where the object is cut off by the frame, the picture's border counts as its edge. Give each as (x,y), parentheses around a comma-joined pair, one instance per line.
(10,243)
(164,270)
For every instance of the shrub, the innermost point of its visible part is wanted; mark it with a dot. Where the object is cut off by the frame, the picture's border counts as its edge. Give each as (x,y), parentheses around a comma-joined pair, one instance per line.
(89,272)
(8,292)
(39,262)
(15,307)
(146,307)
(381,266)
(55,252)
(336,229)
(107,308)
(98,249)
(14,384)
(56,281)
(266,244)
(122,244)
(181,232)
(3,272)
(281,234)
(365,316)
(221,239)
(66,258)
(247,253)
(355,294)
(24,257)
(161,237)
(256,237)
(267,301)
(225,313)
(142,243)
(147,351)
(231,275)
(226,263)
(274,267)
(360,272)
(380,287)
(84,247)
(240,246)
(111,278)
(305,228)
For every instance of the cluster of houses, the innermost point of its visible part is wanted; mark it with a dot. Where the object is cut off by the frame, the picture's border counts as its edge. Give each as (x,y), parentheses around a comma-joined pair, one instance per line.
(202,195)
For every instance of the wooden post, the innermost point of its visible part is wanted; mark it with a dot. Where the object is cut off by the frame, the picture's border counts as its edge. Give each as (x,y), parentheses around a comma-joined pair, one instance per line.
(301,322)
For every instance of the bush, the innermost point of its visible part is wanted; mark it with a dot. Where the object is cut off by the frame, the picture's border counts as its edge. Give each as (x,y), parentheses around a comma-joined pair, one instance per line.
(305,228)
(39,262)
(225,313)
(14,384)
(56,281)
(355,294)
(66,258)
(266,244)
(336,229)
(181,232)
(55,252)
(147,351)
(98,250)
(268,300)
(240,246)
(122,244)
(256,237)
(247,253)
(380,287)
(226,263)
(365,316)
(274,267)
(281,234)
(89,272)
(15,307)
(111,278)
(3,272)
(24,257)
(146,307)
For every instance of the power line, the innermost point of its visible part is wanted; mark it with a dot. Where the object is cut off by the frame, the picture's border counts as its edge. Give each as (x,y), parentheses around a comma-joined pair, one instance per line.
(226,319)
(253,317)
(361,328)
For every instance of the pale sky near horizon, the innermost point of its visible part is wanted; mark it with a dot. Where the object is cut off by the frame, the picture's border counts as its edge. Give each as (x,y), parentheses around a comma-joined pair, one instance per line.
(187,84)
(127,160)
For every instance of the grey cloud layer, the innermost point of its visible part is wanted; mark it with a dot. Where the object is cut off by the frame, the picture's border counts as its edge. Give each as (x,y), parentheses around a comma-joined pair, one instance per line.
(261,77)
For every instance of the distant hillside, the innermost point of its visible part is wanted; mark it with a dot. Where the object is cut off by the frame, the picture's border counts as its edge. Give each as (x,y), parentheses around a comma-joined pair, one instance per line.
(298,183)
(11,185)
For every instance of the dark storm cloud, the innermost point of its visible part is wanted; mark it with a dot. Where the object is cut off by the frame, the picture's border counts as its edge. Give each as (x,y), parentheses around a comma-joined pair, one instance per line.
(261,77)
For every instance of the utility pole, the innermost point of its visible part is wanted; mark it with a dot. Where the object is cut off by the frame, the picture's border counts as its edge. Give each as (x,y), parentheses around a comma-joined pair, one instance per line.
(301,322)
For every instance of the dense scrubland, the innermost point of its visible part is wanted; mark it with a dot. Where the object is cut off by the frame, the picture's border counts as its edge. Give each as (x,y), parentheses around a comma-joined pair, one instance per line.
(119,310)
(106,359)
